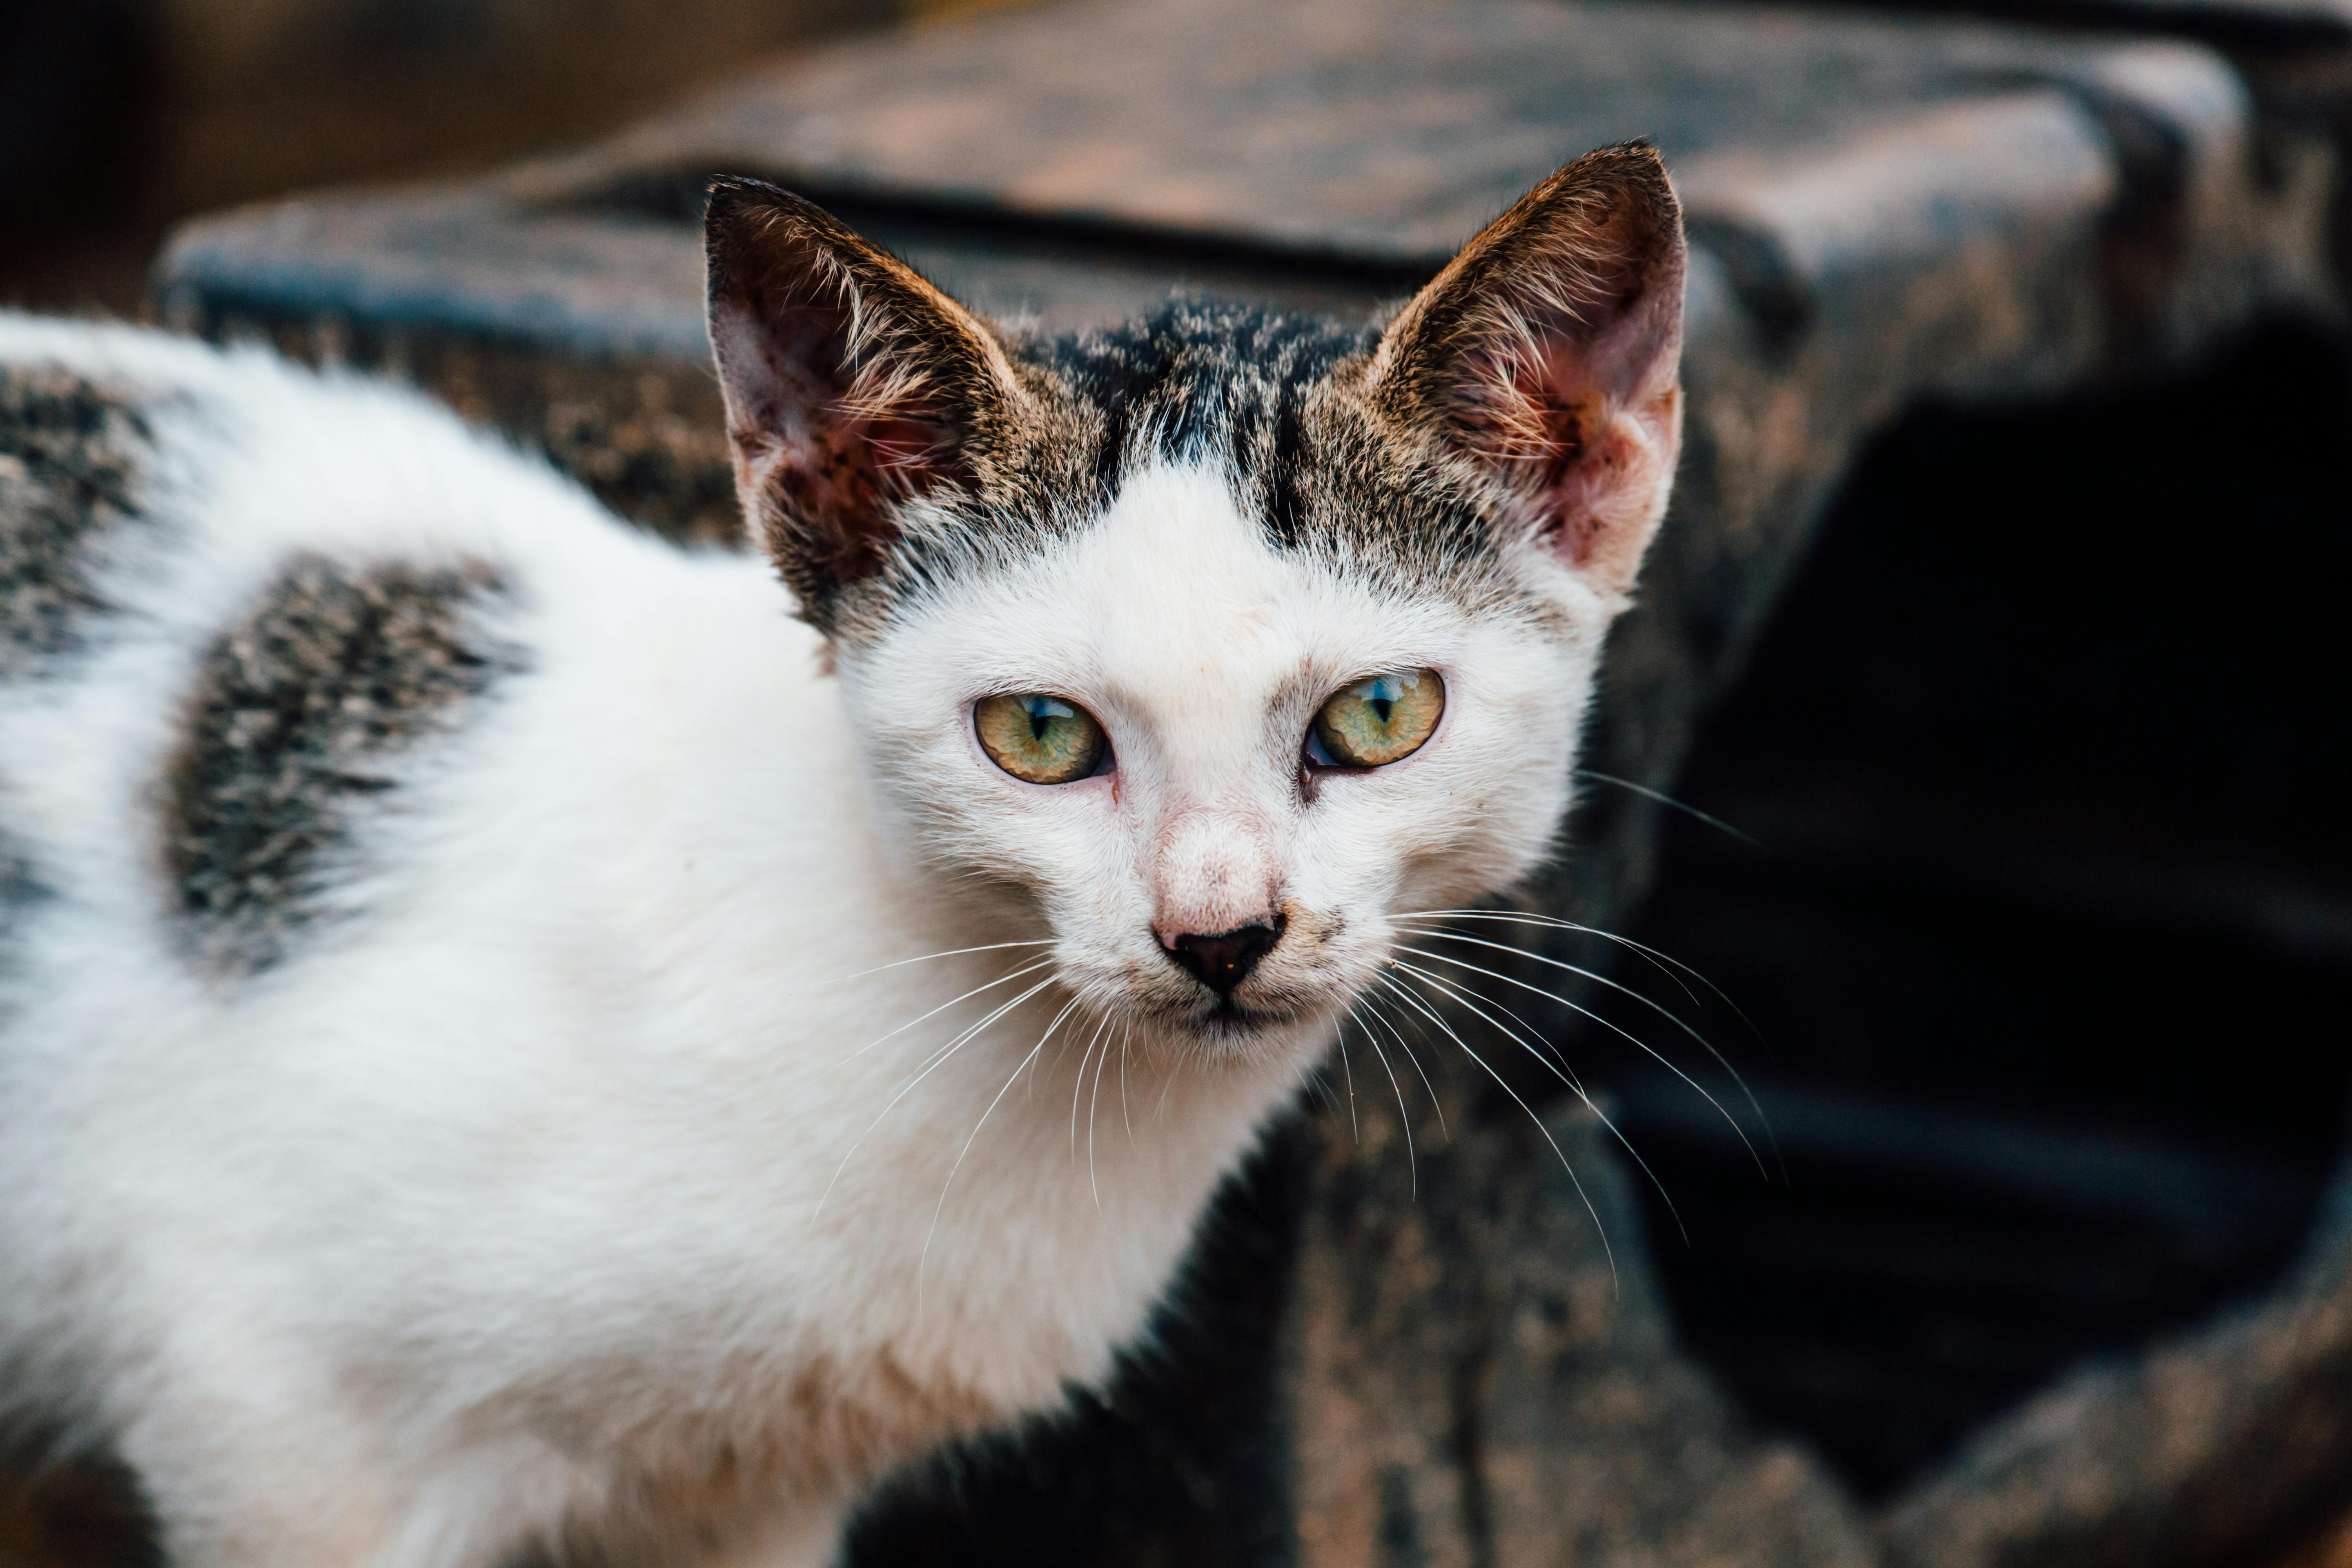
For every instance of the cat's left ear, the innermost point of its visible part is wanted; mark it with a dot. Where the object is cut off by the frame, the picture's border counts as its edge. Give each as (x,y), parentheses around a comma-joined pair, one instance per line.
(1547,355)
(853,386)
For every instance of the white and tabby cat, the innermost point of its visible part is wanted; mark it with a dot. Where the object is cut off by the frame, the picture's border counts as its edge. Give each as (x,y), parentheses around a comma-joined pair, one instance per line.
(509,1040)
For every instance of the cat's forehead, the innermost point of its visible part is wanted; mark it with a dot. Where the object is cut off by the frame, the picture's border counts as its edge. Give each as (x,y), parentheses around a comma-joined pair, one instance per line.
(1173,604)
(1176,584)
(1265,399)
(1204,471)
(1201,374)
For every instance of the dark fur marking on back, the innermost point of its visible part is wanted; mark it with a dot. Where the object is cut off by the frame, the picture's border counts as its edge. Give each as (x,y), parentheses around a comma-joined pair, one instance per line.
(296,714)
(70,455)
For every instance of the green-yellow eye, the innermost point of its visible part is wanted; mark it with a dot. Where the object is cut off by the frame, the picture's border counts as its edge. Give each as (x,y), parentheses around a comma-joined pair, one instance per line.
(1039,739)
(1380,719)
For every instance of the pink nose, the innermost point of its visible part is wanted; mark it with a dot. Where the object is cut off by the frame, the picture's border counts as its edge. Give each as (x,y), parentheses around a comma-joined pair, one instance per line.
(1225,959)
(1213,873)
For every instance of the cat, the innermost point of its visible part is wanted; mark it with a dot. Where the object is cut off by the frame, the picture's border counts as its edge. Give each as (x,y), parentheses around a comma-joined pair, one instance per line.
(517,1038)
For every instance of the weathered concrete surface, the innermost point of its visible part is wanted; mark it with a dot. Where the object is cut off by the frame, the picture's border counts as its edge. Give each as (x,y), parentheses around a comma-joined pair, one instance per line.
(1496,1377)
(2237,1437)
(1881,214)
(1074,162)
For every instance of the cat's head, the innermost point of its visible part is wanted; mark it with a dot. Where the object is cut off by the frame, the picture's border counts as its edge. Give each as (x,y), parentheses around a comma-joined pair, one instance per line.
(1208,646)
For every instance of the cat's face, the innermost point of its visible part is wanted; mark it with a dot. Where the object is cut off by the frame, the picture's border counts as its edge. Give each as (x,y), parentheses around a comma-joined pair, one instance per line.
(1205,648)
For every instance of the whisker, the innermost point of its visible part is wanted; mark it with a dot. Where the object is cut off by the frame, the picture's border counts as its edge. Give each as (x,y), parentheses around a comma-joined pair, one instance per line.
(939,1059)
(1092,1105)
(1000,980)
(1372,1007)
(954,1041)
(1159,1111)
(1079,1083)
(1667,1013)
(1609,1023)
(1656,961)
(950,952)
(1646,793)
(1349,1073)
(1532,1042)
(1465,997)
(1412,1162)
(1658,958)
(1607,1251)
(940,1207)
(1125,1033)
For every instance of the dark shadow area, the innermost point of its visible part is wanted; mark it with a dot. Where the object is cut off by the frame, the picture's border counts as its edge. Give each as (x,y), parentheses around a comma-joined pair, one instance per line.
(2050,938)
(1180,1461)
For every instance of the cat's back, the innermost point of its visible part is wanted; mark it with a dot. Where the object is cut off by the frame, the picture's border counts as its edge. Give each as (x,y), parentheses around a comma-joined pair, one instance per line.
(251,620)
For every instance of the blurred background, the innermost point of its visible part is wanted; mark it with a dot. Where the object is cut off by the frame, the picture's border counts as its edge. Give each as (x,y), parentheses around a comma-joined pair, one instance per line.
(2002,618)
(117,117)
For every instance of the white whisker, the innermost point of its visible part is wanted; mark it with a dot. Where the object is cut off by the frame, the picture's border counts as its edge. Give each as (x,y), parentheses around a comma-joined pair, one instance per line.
(1092,1105)
(1646,793)
(1465,997)
(1607,1251)
(950,952)
(1665,963)
(940,1207)
(1411,1162)
(1354,1130)
(1125,1033)
(937,1059)
(1372,1007)
(1078,1084)
(1667,1013)
(1024,969)
(1581,1011)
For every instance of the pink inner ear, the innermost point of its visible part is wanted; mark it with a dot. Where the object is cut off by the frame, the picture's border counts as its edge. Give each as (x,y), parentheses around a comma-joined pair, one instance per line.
(1582,422)
(831,465)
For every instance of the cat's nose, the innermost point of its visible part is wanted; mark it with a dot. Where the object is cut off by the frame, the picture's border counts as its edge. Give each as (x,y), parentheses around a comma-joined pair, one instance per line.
(1224,960)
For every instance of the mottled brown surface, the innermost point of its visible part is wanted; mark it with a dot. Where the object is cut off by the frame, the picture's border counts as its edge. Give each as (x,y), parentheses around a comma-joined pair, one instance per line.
(2332,1547)
(2235,1437)
(1483,1371)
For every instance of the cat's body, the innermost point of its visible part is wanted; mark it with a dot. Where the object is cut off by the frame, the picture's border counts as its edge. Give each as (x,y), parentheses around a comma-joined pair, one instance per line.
(477,984)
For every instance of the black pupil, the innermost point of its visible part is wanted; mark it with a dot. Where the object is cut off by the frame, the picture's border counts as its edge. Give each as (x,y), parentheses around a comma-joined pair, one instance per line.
(1381,706)
(1037,725)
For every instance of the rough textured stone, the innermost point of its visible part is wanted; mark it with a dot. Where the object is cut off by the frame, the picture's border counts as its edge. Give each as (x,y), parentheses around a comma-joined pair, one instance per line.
(1484,1371)
(2237,1436)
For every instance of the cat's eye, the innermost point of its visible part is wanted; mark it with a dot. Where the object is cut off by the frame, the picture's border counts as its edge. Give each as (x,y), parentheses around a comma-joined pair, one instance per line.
(1378,721)
(1038,739)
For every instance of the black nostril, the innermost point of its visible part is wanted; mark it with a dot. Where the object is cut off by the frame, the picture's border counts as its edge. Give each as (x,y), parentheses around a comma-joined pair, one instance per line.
(1223,960)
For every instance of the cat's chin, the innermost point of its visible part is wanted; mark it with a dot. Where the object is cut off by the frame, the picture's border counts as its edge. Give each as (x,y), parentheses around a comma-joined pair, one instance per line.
(1239,1033)
(1229,1021)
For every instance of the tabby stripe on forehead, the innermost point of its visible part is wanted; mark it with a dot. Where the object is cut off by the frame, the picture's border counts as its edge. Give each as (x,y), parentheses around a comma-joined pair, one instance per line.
(72,454)
(297,713)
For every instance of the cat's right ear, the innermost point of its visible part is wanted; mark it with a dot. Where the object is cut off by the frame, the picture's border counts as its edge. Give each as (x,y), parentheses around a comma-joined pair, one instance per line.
(853,387)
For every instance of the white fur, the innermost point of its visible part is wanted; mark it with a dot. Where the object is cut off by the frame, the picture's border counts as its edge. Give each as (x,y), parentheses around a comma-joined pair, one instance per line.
(575,1179)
